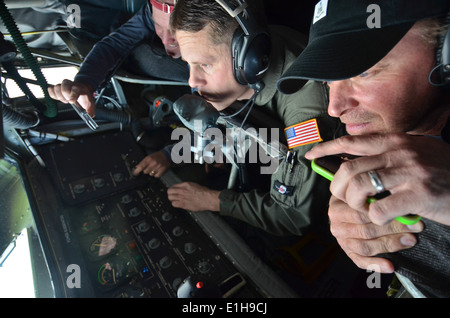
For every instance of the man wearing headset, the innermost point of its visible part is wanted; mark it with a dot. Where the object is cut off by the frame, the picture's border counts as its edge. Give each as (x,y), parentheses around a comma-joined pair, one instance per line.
(385,86)
(206,33)
(145,38)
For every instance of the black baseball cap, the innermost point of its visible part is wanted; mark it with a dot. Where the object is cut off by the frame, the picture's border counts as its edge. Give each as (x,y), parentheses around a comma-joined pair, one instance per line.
(347,37)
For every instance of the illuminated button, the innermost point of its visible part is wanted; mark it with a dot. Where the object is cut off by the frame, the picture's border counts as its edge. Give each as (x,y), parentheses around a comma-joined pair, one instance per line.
(146,271)
(199,285)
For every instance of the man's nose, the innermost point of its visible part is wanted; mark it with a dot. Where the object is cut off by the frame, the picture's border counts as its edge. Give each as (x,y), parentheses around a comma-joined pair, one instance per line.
(168,38)
(341,98)
(195,77)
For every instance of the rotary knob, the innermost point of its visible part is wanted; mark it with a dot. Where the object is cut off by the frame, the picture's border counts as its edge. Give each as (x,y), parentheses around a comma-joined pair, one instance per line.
(177,231)
(167,216)
(165,262)
(154,243)
(204,266)
(79,188)
(143,227)
(190,248)
(118,177)
(134,212)
(126,198)
(99,182)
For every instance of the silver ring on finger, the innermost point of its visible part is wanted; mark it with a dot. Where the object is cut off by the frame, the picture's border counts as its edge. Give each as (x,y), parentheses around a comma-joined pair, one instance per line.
(376,181)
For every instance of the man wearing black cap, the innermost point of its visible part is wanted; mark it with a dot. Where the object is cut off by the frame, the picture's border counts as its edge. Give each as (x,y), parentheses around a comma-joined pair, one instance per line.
(385,87)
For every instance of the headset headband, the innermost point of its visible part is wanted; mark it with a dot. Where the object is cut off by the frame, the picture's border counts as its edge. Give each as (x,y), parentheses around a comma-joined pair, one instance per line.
(235,12)
(239,13)
(250,46)
(164,7)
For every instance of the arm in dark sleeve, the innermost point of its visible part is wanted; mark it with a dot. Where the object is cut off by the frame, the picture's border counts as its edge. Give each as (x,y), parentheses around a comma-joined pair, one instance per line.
(107,54)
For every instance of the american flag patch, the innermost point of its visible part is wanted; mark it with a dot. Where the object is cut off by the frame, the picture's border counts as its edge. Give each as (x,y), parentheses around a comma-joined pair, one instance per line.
(302,134)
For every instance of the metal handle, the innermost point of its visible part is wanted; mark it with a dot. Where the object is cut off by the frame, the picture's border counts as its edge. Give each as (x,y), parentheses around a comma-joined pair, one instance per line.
(84,115)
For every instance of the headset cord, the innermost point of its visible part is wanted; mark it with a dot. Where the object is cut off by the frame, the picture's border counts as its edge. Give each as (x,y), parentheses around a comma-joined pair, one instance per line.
(257,88)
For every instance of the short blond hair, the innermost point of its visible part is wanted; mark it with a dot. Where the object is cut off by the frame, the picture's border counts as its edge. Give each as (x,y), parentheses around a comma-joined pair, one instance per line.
(432,30)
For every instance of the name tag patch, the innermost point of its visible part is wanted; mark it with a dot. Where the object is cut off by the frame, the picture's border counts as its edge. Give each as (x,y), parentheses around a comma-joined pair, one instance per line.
(283,189)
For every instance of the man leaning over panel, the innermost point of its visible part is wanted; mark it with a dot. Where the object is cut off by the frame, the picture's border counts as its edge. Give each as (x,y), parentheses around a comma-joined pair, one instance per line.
(147,36)
(389,87)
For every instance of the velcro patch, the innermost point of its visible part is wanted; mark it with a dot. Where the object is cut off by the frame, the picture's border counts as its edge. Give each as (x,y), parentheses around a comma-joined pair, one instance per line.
(302,134)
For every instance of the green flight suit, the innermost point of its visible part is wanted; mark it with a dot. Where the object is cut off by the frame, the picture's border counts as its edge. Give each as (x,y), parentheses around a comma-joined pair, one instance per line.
(292,213)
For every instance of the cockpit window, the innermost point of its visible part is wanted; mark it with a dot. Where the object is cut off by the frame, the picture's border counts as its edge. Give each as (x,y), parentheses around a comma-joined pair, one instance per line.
(21,255)
(54,75)
(16,273)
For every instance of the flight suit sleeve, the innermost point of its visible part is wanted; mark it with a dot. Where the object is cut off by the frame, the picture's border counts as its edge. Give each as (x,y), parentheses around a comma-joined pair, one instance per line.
(298,196)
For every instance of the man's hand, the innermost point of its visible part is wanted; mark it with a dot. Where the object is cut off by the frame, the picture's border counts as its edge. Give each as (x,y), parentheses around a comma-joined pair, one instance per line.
(154,165)
(361,240)
(415,169)
(194,197)
(70,92)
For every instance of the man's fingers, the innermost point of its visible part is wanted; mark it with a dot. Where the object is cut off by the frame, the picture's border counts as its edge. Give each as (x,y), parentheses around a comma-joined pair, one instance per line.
(363,145)
(362,252)
(377,264)
(88,103)
(69,91)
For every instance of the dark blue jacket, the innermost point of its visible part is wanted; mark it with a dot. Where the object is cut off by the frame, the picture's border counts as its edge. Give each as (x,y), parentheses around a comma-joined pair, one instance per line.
(106,55)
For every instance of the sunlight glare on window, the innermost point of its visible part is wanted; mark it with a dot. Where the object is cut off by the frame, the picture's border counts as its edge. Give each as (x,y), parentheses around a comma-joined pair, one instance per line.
(54,75)
(16,277)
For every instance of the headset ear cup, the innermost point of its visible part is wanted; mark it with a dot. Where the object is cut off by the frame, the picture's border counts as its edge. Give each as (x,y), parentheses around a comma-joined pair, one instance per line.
(237,52)
(445,59)
(251,56)
(440,75)
(257,58)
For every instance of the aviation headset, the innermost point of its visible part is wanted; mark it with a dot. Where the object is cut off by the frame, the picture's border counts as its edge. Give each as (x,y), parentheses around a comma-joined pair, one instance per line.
(250,46)
(443,58)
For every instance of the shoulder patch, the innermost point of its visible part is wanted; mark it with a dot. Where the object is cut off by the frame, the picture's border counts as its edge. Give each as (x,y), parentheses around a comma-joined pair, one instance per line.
(302,133)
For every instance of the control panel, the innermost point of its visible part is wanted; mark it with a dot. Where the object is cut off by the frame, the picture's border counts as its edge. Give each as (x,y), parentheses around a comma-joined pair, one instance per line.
(136,244)
(123,231)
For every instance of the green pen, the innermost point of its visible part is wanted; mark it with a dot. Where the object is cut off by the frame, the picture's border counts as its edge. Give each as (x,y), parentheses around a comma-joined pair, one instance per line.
(326,165)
